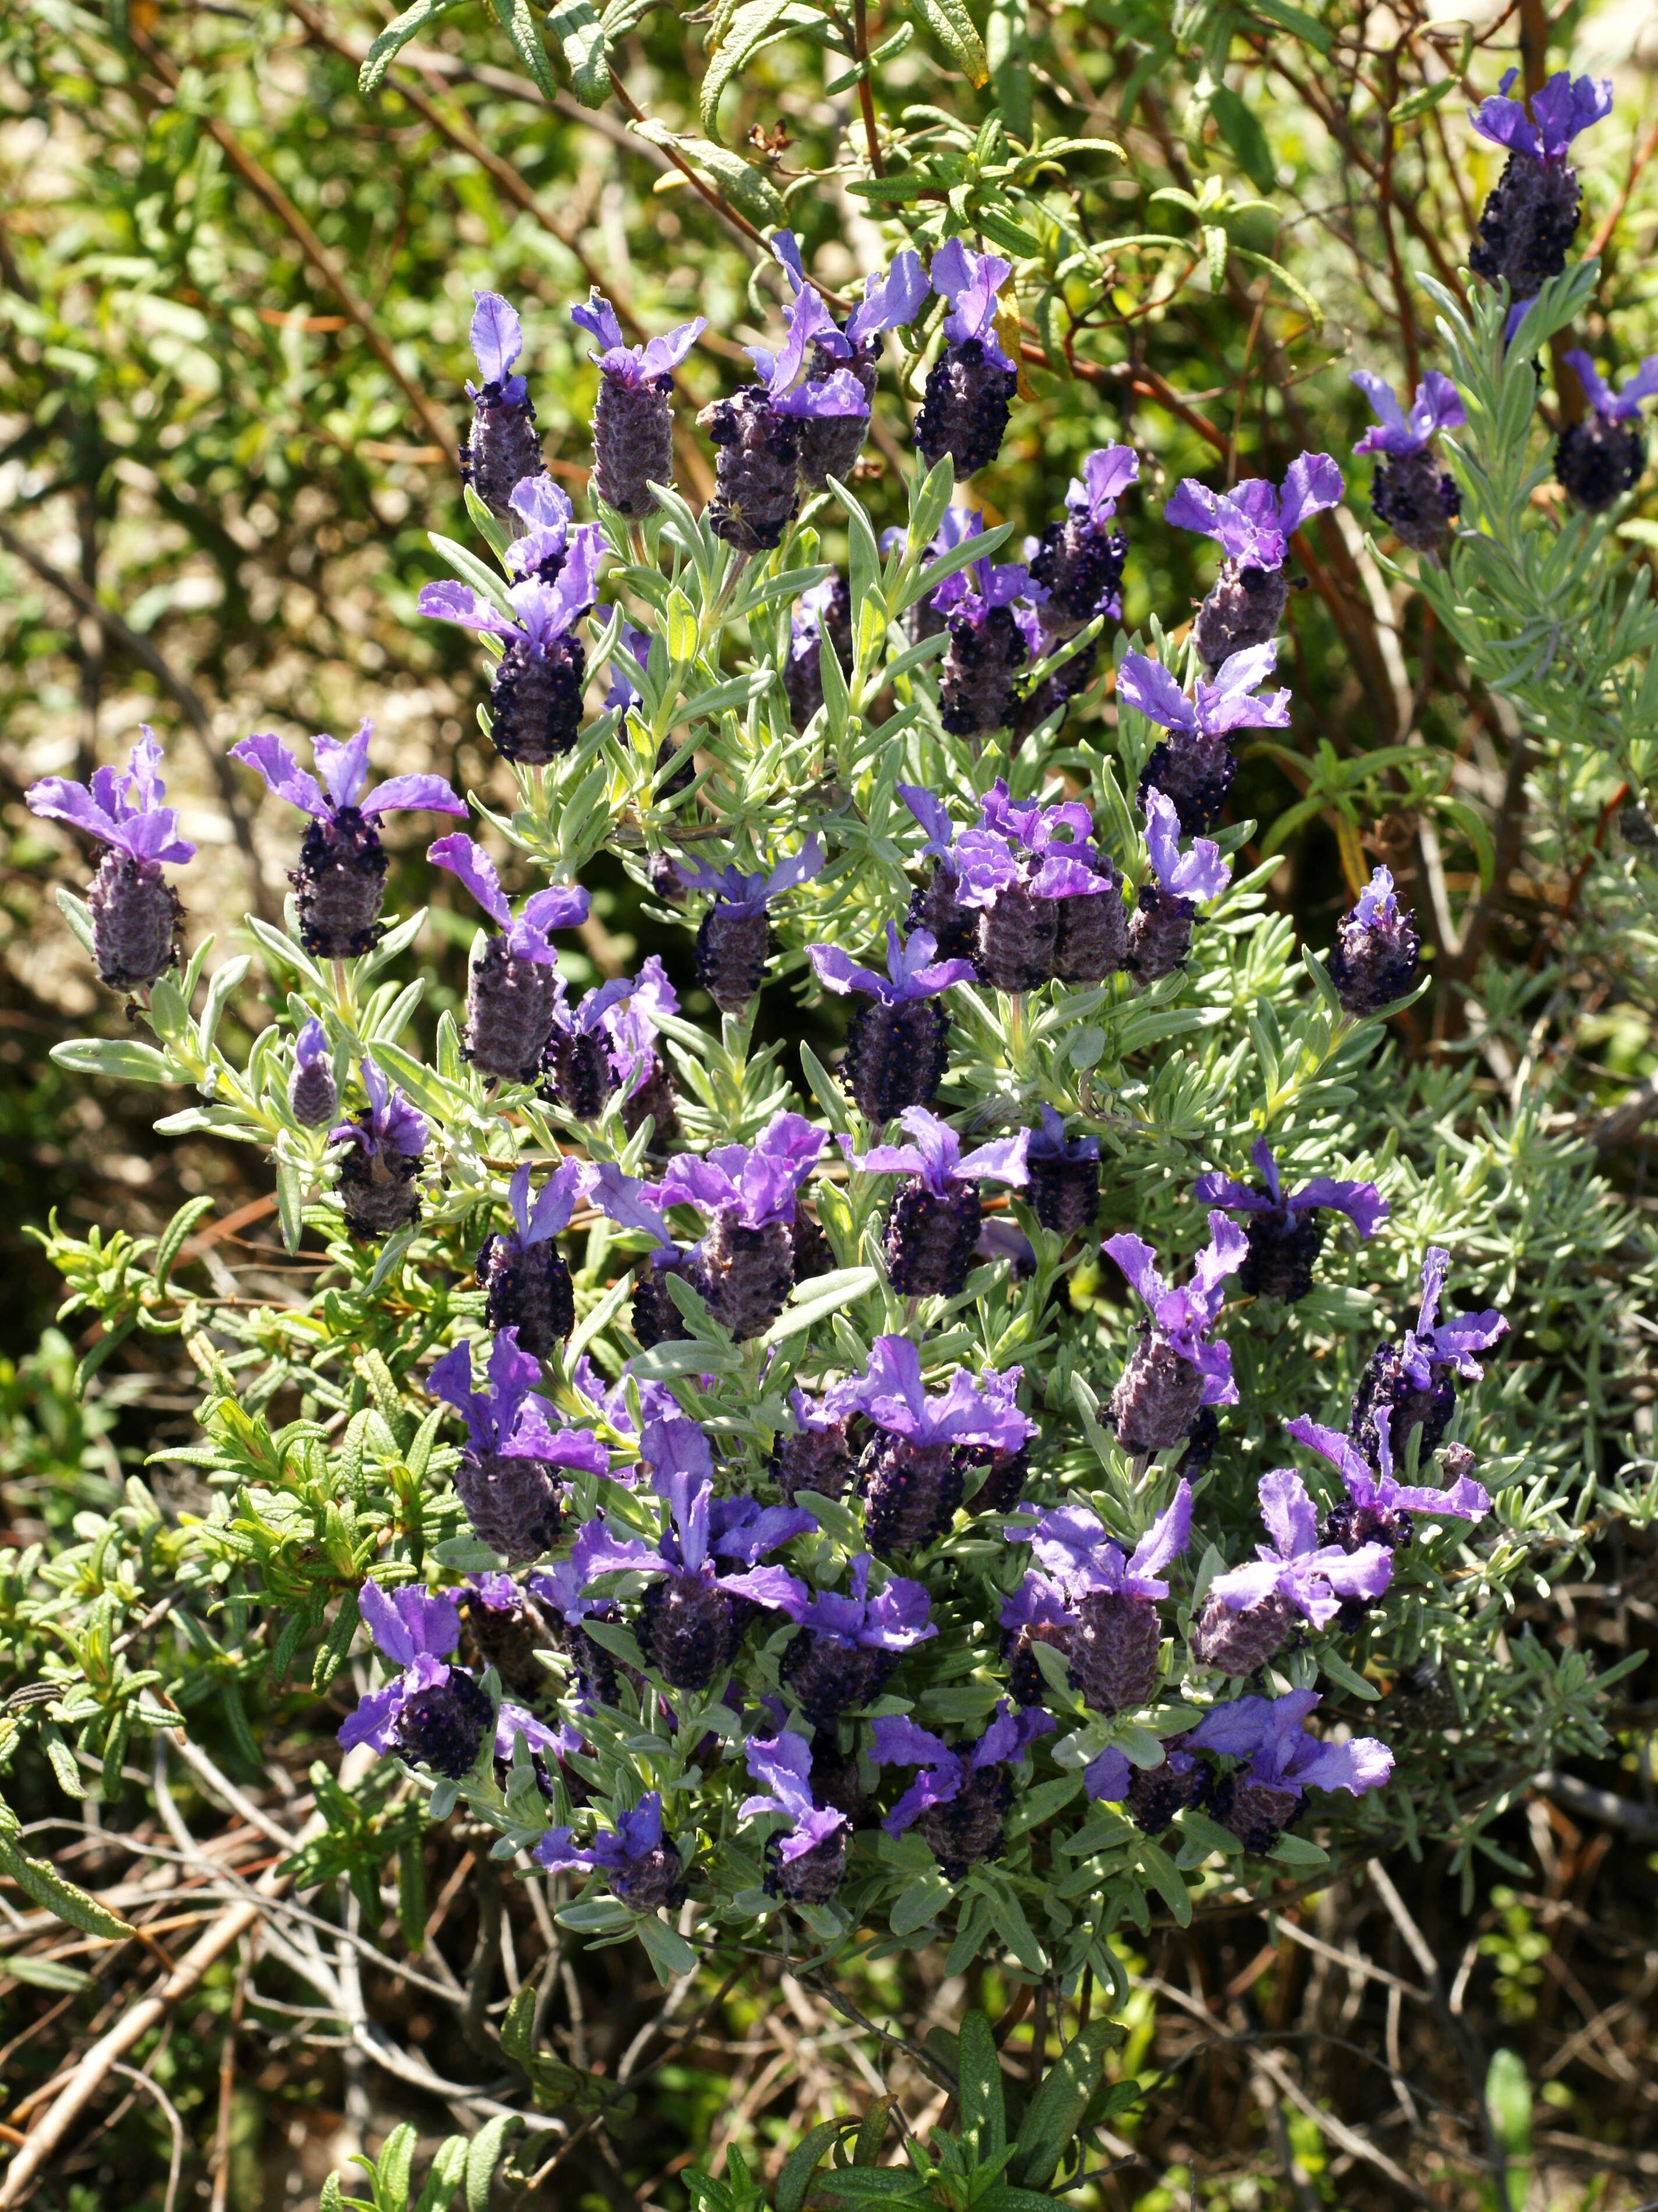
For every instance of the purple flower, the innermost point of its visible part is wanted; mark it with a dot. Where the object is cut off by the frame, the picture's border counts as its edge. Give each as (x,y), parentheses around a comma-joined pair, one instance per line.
(1198,875)
(1225,704)
(1180,1319)
(784,377)
(122,808)
(783,1763)
(898,1742)
(562,907)
(1361,1202)
(1294,1568)
(1271,1733)
(628,1201)
(934,1155)
(391,1125)
(1253,522)
(623,693)
(344,770)
(643,1868)
(1107,471)
(1433,1343)
(635,365)
(746,894)
(894,1620)
(1622,406)
(756,1184)
(497,339)
(1372,1492)
(1438,406)
(506,1418)
(542,612)
(1565,105)
(1071,1544)
(434,1714)
(912,972)
(656,1400)
(888,302)
(891,1393)
(631,1024)
(545,511)
(971,282)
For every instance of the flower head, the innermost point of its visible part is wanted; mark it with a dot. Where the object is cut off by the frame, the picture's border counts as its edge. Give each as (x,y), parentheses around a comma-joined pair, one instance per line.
(1271,1733)
(344,769)
(506,1418)
(912,970)
(1362,1202)
(1107,471)
(121,807)
(1368,1488)
(643,1867)
(783,1763)
(542,611)
(1565,105)
(1225,704)
(971,282)
(891,1393)
(1072,1547)
(1438,406)
(497,337)
(1183,1317)
(391,1125)
(1198,875)
(700,1530)
(747,894)
(1295,1567)
(561,906)
(784,378)
(894,1620)
(1253,522)
(1433,1343)
(1621,407)
(635,365)
(898,1742)
(757,1183)
(934,1155)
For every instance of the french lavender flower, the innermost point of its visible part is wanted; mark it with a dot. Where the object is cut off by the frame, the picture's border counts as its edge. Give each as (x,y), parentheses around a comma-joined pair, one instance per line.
(815,1456)
(911,1473)
(830,444)
(1252,1609)
(1253,525)
(1193,767)
(313,1098)
(935,906)
(579,1076)
(341,880)
(507,1627)
(898,1047)
(1160,928)
(434,1715)
(535,694)
(1259,1803)
(1048,905)
(636,1061)
(758,433)
(689,1623)
(502,446)
(921,617)
(959,1798)
(744,1266)
(1284,1233)
(641,1865)
(509,1479)
(823,616)
(1373,959)
(1174,1370)
(1600,459)
(933,1225)
(544,510)
(1155,1795)
(525,1283)
(385,1146)
(1063,1180)
(849,1643)
(513,989)
(970,387)
(807,1859)
(1079,562)
(1530,215)
(1417,1378)
(1410,494)
(632,420)
(1116,1633)
(1377,1509)
(734,936)
(136,914)
(992,636)
(1038,1612)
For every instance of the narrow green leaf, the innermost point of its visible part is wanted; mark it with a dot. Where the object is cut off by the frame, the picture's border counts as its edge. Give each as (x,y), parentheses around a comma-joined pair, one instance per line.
(396,36)
(802,2163)
(173,1235)
(48,1888)
(984,2111)
(515,18)
(580,37)
(950,22)
(121,1058)
(483,2155)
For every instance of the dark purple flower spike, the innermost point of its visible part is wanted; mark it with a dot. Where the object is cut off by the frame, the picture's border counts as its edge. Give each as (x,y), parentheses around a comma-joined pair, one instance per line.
(313,1098)
(1376,1508)
(1600,457)
(933,1225)
(992,635)
(386,1145)
(633,421)
(1259,1803)
(807,1859)
(817,1456)
(937,907)
(959,1798)
(512,990)
(1048,905)
(642,1866)
(511,1476)
(1160,928)
(502,446)
(744,1267)
(1114,1634)
(1284,1233)
(911,1474)
(637,1063)
(1252,524)
(341,878)
(579,1076)
(1063,1184)
(1079,562)
(136,914)
(759,433)
(849,1645)
(1416,1378)
(970,386)
(434,1715)
(1410,495)
(1193,767)
(1530,215)
(822,617)
(1373,959)
(526,1283)
(1174,1370)
(897,1047)
(535,694)
(733,939)
(830,443)
(1252,1609)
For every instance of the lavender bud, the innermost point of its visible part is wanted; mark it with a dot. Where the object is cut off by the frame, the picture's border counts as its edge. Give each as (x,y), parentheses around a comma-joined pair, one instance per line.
(896,1056)
(1385,1383)
(136,920)
(507,1638)
(1238,1643)
(1459,1461)
(526,1287)
(535,700)
(1597,460)
(818,1460)
(633,443)
(1373,963)
(503,447)
(1159,934)
(756,469)
(1157,1399)
(745,1274)
(929,1239)
(1157,1794)
(1194,769)
(509,1013)
(650,1878)
(814,1877)
(314,1099)
(965,410)
(339,885)
(578,1071)
(1078,564)
(1416,499)
(830,618)
(910,1493)
(732,947)
(1526,224)
(1114,1649)
(598,1675)
(1255,1811)
(827,1676)
(656,1318)
(1283,1248)
(935,906)
(443,1728)
(1244,607)
(968,1828)
(378,1190)
(687,1630)
(1092,940)
(514,1504)
(1064,1194)
(655,1098)
(978,680)
(1025,1678)
(1018,935)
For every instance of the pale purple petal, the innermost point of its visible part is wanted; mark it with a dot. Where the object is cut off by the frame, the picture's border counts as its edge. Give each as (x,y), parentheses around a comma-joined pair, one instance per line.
(1331,1444)
(837,971)
(1138,1263)
(1312,482)
(1003,1161)
(448,601)
(1151,691)
(497,337)
(1241,1588)
(429,794)
(1359,1764)
(1217,1188)
(1194,506)
(889,301)
(1236,1730)
(374,1717)
(1107,1778)
(464,857)
(1289,1513)
(1362,1202)
(1567,104)
(1164,1540)
(1107,471)
(265,753)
